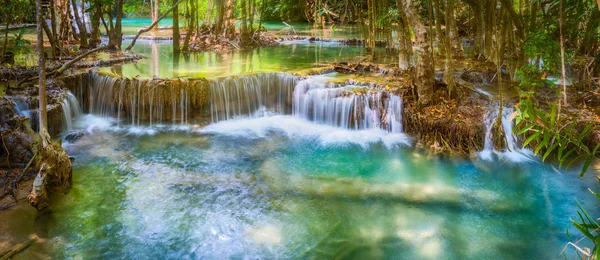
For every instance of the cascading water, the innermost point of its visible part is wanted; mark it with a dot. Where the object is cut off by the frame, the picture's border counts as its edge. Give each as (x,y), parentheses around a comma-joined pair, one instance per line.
(512,150)
(71,110)
(233,97)
(347,107)
(136,102)
(21,105)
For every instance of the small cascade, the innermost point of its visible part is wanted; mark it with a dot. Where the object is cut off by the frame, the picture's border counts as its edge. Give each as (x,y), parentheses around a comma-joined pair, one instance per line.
(512,151)
(136,102)
(142,102)
(243,96)
(71,110)
(21,105)
(347,107)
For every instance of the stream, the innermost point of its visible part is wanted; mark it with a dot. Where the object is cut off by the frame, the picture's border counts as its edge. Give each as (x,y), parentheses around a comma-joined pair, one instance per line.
(288,167)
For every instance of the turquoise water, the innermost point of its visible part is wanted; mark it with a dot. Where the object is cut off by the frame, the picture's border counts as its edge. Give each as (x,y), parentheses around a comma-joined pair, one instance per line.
(279,187)
(290,56)
(246,189)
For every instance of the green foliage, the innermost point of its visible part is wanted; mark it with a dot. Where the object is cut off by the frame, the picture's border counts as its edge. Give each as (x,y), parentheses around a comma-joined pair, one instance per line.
(387,17)
(553,134)
(18,44)
(543,47)
(590,228)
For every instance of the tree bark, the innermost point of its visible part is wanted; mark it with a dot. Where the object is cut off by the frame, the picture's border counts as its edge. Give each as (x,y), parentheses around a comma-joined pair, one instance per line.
(115,38)
(43,114)
(4,46)
(176,36)
(83,38)
(424,71)
(449,65)
(438,28)
(490,14)
(95,23)
(155,14)
(141,31)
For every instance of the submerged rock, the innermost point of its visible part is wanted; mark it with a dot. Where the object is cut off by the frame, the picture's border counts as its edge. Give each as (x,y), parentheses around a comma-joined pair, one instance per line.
(74,136)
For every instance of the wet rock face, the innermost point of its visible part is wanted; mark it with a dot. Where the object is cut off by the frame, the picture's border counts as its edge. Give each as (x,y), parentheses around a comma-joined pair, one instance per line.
(19,143)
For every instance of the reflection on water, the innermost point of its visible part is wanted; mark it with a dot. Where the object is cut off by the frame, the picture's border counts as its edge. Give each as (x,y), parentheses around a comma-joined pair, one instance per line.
(161,62)
(226,194)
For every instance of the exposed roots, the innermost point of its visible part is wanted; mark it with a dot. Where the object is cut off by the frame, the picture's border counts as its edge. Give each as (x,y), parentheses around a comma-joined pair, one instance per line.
(55,171)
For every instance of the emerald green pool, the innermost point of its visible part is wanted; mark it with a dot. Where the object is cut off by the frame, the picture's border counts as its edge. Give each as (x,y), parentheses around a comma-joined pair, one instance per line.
(281,187)
(246,189)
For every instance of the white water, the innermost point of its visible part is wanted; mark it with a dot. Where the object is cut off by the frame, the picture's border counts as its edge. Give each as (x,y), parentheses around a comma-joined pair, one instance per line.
(234,97)
(513,152)
(255,105)
(297,128)
(71,110)
(21,106)
(343,107)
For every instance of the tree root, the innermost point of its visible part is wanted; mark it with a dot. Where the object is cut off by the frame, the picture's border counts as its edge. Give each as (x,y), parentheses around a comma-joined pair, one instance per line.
(7,152)
(55,171)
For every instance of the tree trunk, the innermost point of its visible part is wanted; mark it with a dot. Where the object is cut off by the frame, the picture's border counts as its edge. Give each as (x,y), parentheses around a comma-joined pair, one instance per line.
(43,114)
(244,27)
(452,30)
(83,38)
(154,24)
(490,13)
(424,72)
(404,41)
(176,36)
(190,27)
(4,46)
(155,14)
(95,33)
(438,28)
(116,36)
(229,19)
(52,40)
(55,48)
(449,65)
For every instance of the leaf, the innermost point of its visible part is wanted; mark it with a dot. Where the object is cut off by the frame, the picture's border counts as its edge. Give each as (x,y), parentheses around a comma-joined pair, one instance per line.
(549,151)
(586,165)
(534,136)
(522,131)
(543,144)
(564,158)
(595,194)
(553,116)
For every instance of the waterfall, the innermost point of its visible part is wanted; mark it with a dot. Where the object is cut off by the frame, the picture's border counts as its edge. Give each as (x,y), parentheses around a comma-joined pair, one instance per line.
(135,102)
(512,151)
(347,106)
(21,105)
(70,110)
(232,97)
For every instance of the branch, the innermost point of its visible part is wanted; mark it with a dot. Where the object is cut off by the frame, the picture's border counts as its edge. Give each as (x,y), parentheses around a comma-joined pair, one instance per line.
(151,26)
(68,64)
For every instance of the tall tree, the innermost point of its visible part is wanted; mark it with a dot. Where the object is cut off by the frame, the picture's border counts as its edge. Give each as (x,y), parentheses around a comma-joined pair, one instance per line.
(424,71)
(176,36)
(43,114)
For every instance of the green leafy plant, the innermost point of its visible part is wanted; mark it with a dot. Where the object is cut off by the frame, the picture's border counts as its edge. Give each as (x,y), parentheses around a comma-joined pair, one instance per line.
(589,227)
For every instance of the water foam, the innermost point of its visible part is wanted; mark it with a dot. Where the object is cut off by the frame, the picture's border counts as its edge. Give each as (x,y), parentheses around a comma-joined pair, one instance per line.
(297,128)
